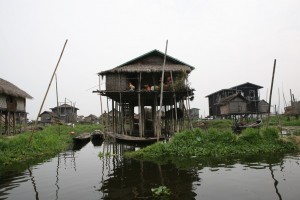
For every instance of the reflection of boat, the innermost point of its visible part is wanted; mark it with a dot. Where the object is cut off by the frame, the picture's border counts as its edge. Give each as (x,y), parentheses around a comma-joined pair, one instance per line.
(238,127)
(133,139)
(97,138)
(97,142)
(83,137)
(79,145)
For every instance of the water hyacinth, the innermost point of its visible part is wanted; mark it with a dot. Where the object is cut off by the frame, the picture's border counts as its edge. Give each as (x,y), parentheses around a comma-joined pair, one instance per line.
(216,143)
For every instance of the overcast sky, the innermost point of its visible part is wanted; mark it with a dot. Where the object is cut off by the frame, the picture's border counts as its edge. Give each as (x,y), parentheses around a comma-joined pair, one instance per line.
(228,42)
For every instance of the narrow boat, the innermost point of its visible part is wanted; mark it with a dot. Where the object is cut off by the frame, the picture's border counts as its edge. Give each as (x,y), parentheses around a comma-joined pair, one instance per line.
(97,138)
(238,127)
(83,137)
(133,139)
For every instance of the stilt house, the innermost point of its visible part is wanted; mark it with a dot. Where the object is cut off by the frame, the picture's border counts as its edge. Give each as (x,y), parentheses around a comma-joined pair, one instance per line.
(135,86)
(67,113)
(246,103)
(12,108)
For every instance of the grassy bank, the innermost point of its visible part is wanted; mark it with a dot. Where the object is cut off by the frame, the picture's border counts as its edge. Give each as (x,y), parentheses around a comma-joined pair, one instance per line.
(216,143)
(44,144)
(227,123)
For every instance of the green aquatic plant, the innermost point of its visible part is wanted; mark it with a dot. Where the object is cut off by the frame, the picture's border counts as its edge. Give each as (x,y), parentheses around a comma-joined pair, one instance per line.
(215,143)
(161,192)
(45,143)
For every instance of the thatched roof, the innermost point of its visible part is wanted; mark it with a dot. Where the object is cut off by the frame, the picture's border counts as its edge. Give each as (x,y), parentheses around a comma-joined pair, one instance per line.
(12,90)
(145,63)
(226,100)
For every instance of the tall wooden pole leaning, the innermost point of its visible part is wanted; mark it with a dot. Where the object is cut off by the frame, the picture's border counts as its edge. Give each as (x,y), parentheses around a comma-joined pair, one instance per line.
(37,118)
(161,94)
(270,98)
(58,113)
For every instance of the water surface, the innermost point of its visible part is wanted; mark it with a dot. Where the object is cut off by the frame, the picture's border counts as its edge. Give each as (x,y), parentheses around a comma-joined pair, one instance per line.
(81,174)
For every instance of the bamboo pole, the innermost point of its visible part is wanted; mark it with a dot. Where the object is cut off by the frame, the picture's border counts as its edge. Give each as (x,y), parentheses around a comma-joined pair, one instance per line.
(102,120)
(57,95)
(37,118)
(269,110)
(175,103)
(161,94)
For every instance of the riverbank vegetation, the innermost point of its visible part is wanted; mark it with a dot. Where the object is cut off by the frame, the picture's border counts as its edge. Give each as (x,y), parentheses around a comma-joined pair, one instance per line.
(279,120)
(44,144)
(216,143)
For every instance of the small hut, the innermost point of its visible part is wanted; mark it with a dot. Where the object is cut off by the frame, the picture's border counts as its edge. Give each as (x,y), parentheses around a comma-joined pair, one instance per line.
(249,91)
(48,117)
(12,108)
(136,85)
(234,104)
(294,108)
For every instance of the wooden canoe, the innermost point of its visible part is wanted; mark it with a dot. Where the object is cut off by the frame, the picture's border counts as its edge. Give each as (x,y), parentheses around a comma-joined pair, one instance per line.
(83,137)
(133,139)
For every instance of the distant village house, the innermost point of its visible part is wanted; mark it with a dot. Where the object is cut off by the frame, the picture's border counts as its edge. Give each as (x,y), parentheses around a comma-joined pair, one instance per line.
(238,100)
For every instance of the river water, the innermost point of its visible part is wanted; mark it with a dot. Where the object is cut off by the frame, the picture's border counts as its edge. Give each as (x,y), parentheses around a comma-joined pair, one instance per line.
(81,174)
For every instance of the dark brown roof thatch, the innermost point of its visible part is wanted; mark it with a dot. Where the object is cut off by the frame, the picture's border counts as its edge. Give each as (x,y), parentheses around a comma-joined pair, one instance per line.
(226,100)
(12,90)
(141,64)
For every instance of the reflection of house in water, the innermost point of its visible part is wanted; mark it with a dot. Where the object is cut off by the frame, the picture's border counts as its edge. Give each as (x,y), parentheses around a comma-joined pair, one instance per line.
(133,179)
(237,100)
(136,85)
(12,108)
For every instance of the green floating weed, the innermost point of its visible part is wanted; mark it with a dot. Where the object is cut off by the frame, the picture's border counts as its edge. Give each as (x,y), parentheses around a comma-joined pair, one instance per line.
(161,192)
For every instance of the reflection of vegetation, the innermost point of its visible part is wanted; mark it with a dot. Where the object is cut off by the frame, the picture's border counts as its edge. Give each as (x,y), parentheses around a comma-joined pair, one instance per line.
(161,192)
(45,143)
(107,154)
(214,143)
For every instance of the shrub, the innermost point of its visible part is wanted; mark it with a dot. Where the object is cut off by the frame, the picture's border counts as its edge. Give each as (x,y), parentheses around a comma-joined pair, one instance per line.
(250,135)
(270,133)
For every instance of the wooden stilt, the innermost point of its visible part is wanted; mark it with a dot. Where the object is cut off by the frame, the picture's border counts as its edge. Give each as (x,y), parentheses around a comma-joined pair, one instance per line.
(101,111)
(175,104)
(154,114)
(140,108)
